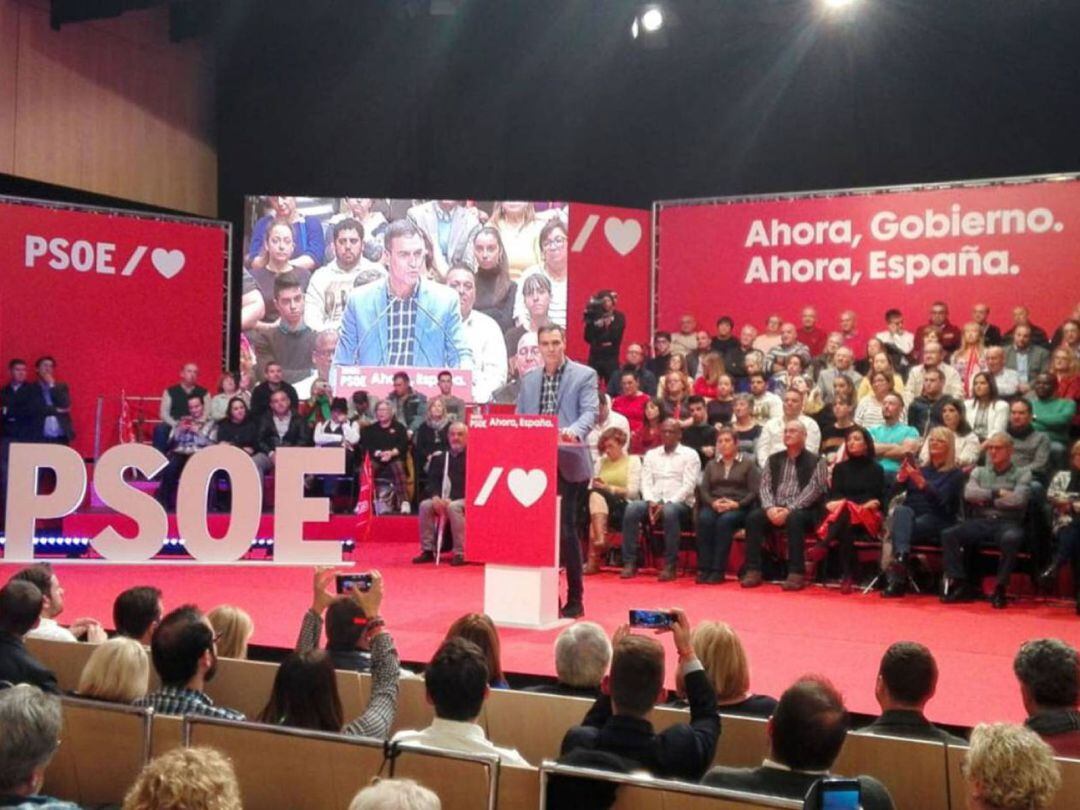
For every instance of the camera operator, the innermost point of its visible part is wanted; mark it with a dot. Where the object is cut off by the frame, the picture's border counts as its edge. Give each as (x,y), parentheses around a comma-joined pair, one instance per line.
(604,326)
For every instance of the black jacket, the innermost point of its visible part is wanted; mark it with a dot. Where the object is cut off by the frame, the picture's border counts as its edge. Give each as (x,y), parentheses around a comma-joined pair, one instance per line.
(768,781)
(61,398)
(296,436)
(17,665)
(682,751)
(19,411)
(910,724)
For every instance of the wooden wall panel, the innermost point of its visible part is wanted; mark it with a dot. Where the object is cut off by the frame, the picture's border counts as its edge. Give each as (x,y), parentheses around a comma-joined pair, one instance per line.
(9,49)
(113,107)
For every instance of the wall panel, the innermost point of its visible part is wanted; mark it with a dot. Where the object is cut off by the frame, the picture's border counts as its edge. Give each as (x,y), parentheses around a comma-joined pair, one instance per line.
(9,48)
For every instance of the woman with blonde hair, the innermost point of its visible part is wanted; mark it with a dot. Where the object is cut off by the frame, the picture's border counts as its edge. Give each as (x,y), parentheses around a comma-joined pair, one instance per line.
(520,231)
(676,365)
(616,480)
(196,778)
(880,362)
(1009,767)
(722,655)
(1066,370)
(117,671)
(233,627)
(673,397)
(970,358)
(712,369)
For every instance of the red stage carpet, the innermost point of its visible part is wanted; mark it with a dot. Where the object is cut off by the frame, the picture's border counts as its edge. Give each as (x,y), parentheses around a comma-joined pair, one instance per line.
(786,635)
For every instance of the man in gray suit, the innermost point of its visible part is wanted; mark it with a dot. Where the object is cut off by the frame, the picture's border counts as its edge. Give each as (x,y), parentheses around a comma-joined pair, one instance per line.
(450,225)
(567,390)
(1027,359)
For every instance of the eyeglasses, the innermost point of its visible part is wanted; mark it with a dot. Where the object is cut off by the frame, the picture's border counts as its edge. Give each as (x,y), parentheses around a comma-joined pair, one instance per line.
(558,241)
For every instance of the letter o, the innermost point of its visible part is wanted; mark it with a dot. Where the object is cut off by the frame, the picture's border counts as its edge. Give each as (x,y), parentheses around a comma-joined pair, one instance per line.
(246,485)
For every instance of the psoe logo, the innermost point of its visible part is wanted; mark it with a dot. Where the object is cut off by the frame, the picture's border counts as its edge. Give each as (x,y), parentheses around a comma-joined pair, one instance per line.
(84,256)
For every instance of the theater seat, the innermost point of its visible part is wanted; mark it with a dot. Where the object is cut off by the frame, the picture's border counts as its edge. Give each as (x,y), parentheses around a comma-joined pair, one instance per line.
(65,658)
(103,748)
(914,771)
(1064,800)
(533,724)
(743,740)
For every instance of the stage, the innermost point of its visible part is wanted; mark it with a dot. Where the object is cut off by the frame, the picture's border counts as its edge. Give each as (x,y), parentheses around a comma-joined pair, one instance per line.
(786,634)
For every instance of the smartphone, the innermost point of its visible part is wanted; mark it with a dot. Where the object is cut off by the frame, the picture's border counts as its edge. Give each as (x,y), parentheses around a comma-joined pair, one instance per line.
(651,618)
(911,460)
(838,794)
(349,582)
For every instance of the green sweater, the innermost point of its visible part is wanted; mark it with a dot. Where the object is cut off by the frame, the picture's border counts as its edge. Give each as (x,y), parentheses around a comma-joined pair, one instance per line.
(1053,417)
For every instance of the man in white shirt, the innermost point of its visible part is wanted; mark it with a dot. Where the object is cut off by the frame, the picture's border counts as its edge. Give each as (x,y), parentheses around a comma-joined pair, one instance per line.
(766,405)
(606,418)
(41,576)
(772,432)
(932,356)
(843,366)
(895,334)
(669,475)
(457,686)
(483,335)
(329,287)
(1006,379)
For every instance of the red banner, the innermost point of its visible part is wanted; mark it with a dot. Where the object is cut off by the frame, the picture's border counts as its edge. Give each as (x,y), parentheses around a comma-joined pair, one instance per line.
(379,381)
(1002,245)
(510,490)
(119,300)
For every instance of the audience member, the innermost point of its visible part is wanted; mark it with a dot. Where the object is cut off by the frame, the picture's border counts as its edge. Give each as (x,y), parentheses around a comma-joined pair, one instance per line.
(495,291)
(617,722)
(853,505)
(842,367)
(746,428)
(951,413)
(931,503)
(921,408)
(699,435)
(1048,670)
(431,436)
(997,496)
(524,360)
(604,335)
(454,405)
(669,476)
(941,328)
(553,265)
(227,388)
(1052,416)
(735,358)
(932,357)
(232,629)
(893,438)
(675,397)
(721,653)
(184,649)
(773,432)
(809,333)
(991,335)
(395,794)
(450,225)
(456,682)
(1064,498)
(848,329)
(44,578)
(445,501)
(724,341)
(1006,379)
(175,404)
(1025,356)
(606,418)
(1009,768)
(970,356)
(769,339)
(52,421)
(30,723)
(616,480)
(1021,318)
(897,340)
(906,682)
(1065,366)
(836,423)
(282,426)
(137,612)
(288,341)
(985,410)
(330,285)
(191,434)
(409,405)
(793,483)
(480,630)
(880,363)
(188,778)
(582,655)
(789,345)
(729,487)
(485,339)
(648,435)
(658,363)
(631,402)
(703,346)
(117,671)
(1031,448)
(273,381)
(634,361)
(806,733)
(20,610)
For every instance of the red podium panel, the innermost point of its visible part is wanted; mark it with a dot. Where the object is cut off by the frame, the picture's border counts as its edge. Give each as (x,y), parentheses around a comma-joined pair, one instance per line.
(511,489)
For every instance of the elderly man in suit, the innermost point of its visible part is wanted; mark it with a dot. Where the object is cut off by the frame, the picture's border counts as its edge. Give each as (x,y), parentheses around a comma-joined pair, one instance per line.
(567,390)
(1026,358)
(404,319)
(450,225)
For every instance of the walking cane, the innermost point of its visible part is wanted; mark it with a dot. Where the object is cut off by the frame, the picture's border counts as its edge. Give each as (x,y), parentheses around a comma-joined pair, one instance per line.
(444,492)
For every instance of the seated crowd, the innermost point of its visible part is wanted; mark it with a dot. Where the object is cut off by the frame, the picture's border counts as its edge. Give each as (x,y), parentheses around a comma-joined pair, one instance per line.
(623,676)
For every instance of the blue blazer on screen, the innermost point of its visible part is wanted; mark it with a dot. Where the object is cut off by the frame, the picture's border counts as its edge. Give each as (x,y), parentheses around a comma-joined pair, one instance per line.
(578,405)
(438,335)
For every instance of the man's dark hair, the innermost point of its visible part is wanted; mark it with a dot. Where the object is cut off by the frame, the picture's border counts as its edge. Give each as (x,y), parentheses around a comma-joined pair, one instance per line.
(339,405)
(637,673)
(550,326)
(286,281)
(401,375)
(20,606)
(39,575)
(15,361)
(347,224)
(809,725)
(909,672)
(695,400)
(193,398)
(662,334)
(342,631)
(1049,668)
(1026,403)
(399,229)
(725,319)
(629,372)
(457,679)
(44,358)
(445,373)
(178,643)
(892,313)
(135,610)
(937,371)
(756,374)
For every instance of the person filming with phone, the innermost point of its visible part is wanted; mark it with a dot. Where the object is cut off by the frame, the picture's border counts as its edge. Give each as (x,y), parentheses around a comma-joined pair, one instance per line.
(616,724)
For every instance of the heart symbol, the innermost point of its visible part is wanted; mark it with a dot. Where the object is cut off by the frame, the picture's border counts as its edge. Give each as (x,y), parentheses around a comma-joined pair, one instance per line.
(527,487)
(168,262)
(623,235)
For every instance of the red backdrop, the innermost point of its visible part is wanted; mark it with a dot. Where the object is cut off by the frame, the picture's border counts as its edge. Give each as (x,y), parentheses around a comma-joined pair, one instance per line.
(609,249)
(120,301)
(750,259)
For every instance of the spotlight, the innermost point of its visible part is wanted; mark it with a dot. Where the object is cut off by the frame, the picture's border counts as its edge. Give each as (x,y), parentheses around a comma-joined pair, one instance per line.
(648,21)
(838,4)
(652,20)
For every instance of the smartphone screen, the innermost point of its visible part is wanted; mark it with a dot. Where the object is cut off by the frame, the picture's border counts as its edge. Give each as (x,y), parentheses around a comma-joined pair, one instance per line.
(347,582)
(839,794)
(650,618)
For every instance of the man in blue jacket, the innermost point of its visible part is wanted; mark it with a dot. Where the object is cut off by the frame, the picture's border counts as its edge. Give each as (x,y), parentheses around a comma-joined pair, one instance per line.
(404,319)
(567,390)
